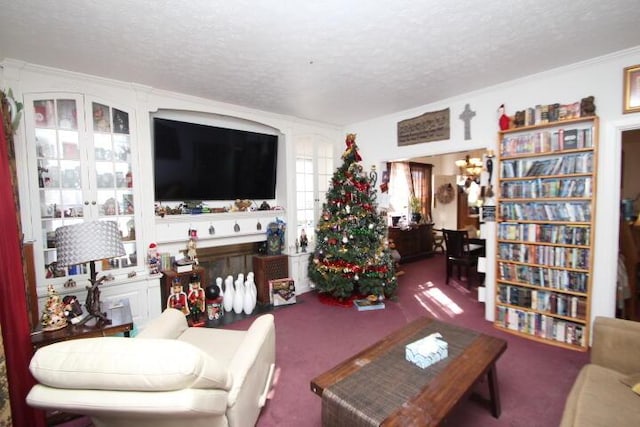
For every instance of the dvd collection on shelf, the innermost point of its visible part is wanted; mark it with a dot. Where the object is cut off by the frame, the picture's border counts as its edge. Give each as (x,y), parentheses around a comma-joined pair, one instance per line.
(534,211)
(555,256)
(545,231)
(542,326)
(546,188)
(572,164)
(547,142)
(543,277)
(561,304)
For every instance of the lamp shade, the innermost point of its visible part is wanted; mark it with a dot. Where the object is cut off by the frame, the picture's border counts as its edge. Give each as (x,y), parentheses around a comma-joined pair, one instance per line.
(88,241)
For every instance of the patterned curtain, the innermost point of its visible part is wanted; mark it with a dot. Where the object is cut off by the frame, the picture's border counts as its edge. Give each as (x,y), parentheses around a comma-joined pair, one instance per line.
(15,379)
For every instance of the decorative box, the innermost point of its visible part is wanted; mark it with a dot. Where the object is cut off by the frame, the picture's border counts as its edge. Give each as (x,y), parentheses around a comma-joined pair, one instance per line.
(427,351)
(282,291)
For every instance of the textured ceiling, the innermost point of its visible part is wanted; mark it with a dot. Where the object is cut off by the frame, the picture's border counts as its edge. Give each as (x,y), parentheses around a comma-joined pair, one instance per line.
(335,61)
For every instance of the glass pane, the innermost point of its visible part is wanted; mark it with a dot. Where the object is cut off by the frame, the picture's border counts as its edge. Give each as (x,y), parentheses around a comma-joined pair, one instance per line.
(44,113)
(72,203)
(300,201)
(122,148)
(67,114)
(105,177)
(48,174)
(49,203)
(69,142)
(107,203)
(308,167)
(103,147)
(101,118)
(46,143)
(300,165)
(308,182)
(122,175)
(120,122)
(70,174)
(126,204)
(308,200)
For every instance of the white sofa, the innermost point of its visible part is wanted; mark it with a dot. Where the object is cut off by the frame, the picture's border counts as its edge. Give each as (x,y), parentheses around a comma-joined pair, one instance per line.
(169,375)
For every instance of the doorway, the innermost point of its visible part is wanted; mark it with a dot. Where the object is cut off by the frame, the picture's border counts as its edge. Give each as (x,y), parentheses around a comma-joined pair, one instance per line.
(629,232)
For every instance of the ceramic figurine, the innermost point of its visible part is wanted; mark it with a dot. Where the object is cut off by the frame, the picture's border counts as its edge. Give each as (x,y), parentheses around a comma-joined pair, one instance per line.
(229,294)
(219,284)
(238,298)
(178,298)
(250,294)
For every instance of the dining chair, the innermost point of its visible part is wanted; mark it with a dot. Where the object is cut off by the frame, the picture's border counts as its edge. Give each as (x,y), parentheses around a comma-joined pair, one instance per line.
(458,253)
(438,240)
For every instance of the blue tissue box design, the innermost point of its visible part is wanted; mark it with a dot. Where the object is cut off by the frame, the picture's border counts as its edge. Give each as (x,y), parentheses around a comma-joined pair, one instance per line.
(427,351)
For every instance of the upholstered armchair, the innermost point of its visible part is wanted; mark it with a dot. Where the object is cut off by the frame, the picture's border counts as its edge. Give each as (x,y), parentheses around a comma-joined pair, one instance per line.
(170,374)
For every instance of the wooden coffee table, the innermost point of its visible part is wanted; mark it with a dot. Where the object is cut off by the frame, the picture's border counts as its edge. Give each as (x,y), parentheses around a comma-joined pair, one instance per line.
(379,387)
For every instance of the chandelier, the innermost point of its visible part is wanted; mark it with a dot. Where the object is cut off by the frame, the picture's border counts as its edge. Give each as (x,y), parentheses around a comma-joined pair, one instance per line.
(470,166)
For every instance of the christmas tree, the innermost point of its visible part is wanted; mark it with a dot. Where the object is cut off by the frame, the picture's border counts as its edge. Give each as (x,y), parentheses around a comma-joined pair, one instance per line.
(351,255)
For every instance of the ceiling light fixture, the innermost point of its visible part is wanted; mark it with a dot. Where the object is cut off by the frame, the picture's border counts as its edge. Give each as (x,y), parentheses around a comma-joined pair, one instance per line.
(470,166)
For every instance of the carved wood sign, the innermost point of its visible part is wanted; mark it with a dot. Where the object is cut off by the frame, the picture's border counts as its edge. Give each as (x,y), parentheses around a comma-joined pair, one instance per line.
(431,126)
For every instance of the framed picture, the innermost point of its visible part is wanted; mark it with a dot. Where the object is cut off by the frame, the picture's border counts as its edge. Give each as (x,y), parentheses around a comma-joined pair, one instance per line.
(631,95)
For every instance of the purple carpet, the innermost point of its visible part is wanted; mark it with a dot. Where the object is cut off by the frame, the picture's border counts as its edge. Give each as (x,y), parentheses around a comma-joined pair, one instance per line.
(312,337)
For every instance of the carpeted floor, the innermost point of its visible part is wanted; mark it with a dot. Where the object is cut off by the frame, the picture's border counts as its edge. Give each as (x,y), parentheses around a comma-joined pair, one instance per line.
(312,337)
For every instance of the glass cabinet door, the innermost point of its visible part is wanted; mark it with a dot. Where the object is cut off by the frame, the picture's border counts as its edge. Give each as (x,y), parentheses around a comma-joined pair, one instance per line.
(81,153)
(56,133)
(112,177)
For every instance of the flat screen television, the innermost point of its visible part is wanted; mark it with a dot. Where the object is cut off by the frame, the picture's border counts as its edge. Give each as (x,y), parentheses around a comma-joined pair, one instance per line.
(195,162)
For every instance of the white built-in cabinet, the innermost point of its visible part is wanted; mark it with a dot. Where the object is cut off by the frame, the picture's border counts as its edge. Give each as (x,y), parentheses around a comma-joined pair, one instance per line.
(298,265)
(80,165)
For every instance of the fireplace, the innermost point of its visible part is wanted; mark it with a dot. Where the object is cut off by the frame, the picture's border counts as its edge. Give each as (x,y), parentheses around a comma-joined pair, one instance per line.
(221,261)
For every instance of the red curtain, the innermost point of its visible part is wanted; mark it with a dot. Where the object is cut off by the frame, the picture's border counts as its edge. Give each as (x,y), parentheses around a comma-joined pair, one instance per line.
(13,301)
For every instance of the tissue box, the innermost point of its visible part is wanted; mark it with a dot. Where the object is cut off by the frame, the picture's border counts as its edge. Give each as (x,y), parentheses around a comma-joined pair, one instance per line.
(427,351)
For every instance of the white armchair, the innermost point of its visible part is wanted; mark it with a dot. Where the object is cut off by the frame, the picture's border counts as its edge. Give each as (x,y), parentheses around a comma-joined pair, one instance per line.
(169,375)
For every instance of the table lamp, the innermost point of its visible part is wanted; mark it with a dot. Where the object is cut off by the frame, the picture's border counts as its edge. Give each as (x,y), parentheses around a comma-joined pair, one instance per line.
(88,242)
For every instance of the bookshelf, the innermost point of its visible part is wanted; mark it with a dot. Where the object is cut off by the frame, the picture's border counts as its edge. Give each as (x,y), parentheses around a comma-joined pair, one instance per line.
(545,231)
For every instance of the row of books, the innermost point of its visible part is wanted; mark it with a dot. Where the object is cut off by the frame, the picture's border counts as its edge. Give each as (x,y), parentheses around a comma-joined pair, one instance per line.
(556,256)
(547,301)
(544,277)
(546,142)
(560,165)
(545,233)
(534,211)
(540,325)
(554,187)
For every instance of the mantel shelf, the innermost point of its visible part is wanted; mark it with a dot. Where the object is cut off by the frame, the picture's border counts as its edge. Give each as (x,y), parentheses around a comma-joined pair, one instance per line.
(219,216)
(240,226)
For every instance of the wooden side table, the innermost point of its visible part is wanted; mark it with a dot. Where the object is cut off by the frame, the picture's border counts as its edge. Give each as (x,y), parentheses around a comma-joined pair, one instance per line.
(118,313)
(268,267)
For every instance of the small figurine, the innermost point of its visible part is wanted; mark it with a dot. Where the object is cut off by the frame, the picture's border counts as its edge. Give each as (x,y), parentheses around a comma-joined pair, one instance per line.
(587,107)
(53,316)
(196,298)
(72,307)
(178,298)
(153,259)
(504,119)
(304,241)
(191,249)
